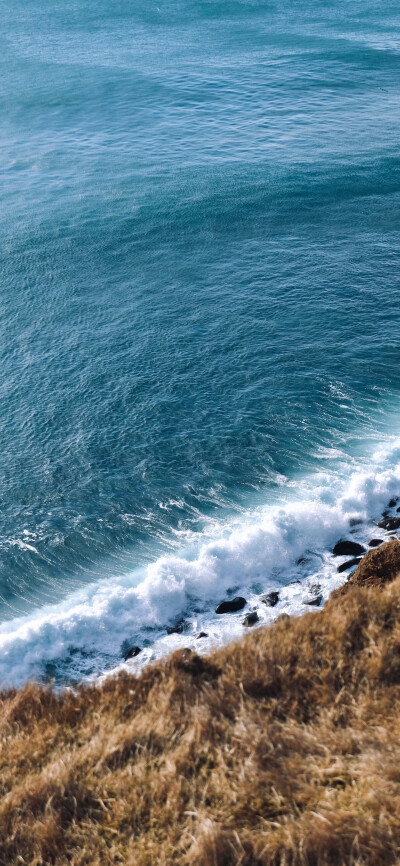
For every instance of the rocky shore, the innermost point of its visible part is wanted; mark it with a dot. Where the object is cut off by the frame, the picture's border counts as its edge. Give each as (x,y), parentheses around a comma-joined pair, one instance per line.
(283,748)
(348,552)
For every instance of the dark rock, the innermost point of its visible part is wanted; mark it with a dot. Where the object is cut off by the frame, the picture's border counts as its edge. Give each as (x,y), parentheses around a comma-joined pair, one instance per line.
(349,564)
(376,568)
(231,606)
(385,513)
(398,509)
(375,542)
(132,653)
(314,600)
(271,599)
(393,501)
(178,628)
(389,523)
(302,560)
(251,618)
(348,548)
(201,634)
(315,595)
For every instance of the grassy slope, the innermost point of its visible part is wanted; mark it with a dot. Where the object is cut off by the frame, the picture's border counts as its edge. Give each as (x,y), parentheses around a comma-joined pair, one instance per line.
(281,749)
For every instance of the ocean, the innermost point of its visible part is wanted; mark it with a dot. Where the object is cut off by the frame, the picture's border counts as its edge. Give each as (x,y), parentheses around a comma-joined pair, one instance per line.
(199,329)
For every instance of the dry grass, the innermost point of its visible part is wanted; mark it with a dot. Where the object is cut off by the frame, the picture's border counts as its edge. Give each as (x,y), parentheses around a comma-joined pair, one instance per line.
(282,749)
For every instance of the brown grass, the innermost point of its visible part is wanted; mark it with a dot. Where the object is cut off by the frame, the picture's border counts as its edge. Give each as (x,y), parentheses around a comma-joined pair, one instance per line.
(283,749)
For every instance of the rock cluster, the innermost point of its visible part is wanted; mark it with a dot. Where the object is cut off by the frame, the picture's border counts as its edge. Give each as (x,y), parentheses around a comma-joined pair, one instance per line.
(378,566)
(380,563)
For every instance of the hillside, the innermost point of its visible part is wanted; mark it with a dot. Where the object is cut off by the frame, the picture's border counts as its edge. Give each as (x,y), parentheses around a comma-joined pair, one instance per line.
(281,749)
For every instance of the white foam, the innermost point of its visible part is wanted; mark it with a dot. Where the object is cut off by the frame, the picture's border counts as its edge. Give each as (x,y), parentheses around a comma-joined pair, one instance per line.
(255,554)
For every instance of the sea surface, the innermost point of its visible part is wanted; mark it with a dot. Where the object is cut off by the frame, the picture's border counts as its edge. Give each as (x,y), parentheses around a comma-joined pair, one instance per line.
(199,316)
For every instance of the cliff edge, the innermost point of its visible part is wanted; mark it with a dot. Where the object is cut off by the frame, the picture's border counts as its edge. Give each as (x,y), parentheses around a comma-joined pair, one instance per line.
(281,749)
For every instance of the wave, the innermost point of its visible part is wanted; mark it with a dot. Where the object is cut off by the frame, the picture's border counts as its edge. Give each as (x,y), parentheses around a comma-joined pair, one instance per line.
(284,547)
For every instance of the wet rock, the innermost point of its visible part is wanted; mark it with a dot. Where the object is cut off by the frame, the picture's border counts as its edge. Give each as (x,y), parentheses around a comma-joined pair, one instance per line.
(393,501)
(348,548)
(131,653)
(251,618)
(271,599)
(232,605)
(178,628)
(302,560)
(375,542)
(398,509)
(349,564)
(201,634)
(389,523)
(315,595)
(376,568)
(313,600)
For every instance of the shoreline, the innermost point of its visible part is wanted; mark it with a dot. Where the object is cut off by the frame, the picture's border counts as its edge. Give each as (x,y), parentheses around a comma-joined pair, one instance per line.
(284,549)
(281,745)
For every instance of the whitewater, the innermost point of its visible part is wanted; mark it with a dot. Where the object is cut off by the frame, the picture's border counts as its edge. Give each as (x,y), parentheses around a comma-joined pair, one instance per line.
(285,548)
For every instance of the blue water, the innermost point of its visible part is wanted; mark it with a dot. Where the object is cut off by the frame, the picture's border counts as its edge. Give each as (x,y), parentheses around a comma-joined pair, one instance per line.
(200,225)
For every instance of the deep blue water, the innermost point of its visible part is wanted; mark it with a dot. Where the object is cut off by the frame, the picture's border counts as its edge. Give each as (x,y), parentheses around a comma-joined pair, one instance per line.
(200,225)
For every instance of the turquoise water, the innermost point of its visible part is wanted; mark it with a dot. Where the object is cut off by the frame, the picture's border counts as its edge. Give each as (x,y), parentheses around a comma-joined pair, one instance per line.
(200,231)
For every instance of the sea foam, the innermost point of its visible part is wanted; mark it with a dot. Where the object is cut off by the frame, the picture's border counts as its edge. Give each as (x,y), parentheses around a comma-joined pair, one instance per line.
(284,547)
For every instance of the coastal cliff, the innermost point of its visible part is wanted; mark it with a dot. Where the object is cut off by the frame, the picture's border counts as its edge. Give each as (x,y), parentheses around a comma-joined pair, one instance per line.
(281,749)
